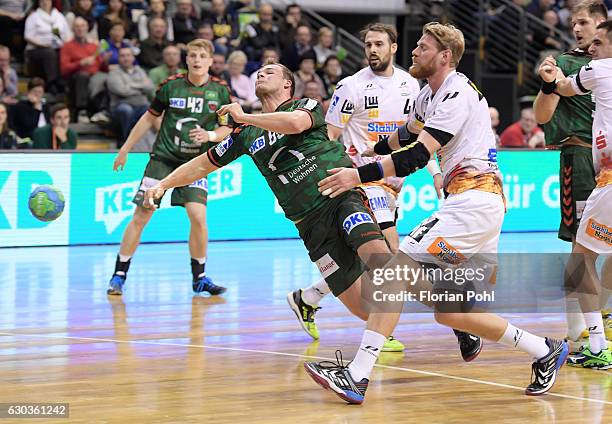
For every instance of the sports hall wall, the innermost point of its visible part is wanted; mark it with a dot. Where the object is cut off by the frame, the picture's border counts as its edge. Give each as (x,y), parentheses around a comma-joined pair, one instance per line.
(241,206)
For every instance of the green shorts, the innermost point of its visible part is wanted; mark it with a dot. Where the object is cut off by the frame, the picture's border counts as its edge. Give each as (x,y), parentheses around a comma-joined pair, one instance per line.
(577,181)
(332,235)
(156,170)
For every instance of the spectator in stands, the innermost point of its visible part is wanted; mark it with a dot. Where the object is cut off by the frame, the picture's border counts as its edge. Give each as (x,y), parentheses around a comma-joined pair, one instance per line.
(9,76)
(115,42)
(565,14)
(494,113)
(224,21)
(46,30)
(157,9)
(12,14)
(264,34)
(129,88)
(115,13)
(239,82)
(330,74)
(325,46)
(84,9)
(539,7)
(8,100)
(205,32)
(312,91)
(307,73)
(28,114)
(185,23)
(171,66)
(79,61)
(152,49)
(544,36)
(288,27)
(301,46)
(218,68)
(8,138)
(523,133)
(56,135)
(268,56)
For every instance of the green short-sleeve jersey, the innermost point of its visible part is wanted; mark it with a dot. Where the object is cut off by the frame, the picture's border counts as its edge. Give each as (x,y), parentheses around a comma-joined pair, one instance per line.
(292,164)
(186,106)
(574,115)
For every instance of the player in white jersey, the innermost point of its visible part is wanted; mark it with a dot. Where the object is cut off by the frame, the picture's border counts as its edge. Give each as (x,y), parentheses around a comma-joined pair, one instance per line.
(368,107)
(451,117)
(594,236)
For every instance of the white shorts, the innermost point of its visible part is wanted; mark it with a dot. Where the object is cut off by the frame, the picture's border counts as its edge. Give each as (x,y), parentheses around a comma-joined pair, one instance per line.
(383,205)
(467,223)
(595,230)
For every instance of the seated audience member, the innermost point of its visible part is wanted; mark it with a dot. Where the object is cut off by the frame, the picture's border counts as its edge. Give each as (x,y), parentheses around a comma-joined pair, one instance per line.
(301,45)
(205,32)
(224,21)
(185,23)
(239,82)
(152,49)
(521,133)
(116,12)
(114,43)
(46,30)
(306,73)
(56,135)
(8,76)
(8,138)
(218,68)
(28,114)
(79,61)
(263,34)
(84,9)
(288,27)
(330,74)
(12,18)
(325,46)
(157,9)
(129,88)
(171,66)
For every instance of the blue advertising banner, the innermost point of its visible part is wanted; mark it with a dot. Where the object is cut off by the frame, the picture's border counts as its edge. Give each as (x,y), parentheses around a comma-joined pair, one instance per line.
(241,206)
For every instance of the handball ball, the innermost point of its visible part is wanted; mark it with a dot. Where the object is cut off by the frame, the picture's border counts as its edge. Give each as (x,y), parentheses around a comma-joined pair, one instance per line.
(46,203)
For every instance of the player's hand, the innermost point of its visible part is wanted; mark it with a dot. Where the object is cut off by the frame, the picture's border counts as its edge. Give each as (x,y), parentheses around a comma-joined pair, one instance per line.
(368,153)
(120,160)
(548,69)
(235,111)
(340,180)
(198,135)
(438,180)
(151,195)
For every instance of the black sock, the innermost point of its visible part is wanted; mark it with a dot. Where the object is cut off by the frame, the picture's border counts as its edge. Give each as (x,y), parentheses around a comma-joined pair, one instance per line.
(122,267)
(197,269)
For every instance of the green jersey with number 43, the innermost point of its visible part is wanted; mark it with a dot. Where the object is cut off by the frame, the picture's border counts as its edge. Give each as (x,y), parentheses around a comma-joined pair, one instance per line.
(293,164)
(186,107)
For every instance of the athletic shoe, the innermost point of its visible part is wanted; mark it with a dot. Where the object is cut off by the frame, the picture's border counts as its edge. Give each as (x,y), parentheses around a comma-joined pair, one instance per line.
(115,286)
(544,370)
(205,284)
(304,313)
(586,359)
(607,322)
(469,344)
(335,376)
(392,345)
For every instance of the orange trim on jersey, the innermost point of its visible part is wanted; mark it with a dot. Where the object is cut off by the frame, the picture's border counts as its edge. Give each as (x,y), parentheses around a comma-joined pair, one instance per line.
(599,231)
(604,178)
(444,251)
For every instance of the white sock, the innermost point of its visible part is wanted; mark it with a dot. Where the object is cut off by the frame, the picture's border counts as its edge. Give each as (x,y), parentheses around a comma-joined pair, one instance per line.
(604,296)
(317,291)
(124,258)
(201,260)
(575,318)
(366,357)
(597,340)
(523,340)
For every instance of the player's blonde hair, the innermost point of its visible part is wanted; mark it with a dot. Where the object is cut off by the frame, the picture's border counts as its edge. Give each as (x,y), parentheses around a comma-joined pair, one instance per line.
(448,37)
(200,43)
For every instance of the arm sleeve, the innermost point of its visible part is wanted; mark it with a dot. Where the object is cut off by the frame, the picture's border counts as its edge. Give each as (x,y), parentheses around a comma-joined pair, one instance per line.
(584,81)
(229,149)
(160,101)
(314,110)
(341,107)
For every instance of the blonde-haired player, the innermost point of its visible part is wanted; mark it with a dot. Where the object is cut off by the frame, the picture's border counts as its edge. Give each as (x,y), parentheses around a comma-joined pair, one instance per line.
(594,236)
(188,103)
(451,117)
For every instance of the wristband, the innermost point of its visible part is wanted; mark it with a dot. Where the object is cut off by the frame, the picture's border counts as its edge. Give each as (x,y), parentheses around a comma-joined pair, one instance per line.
(371,172)
(382,148)
(212,136)
(548,87)
(433,168)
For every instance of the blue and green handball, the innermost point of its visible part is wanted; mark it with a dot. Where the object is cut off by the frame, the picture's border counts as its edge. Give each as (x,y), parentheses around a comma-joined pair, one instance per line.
(46,203)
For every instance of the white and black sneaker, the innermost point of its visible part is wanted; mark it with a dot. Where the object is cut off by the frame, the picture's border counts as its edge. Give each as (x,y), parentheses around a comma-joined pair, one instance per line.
(336,376)
(544,370)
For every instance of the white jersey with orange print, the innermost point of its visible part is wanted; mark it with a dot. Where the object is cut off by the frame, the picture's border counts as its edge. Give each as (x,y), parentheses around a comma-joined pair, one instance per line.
(369,108)
(595,230)
(470,219)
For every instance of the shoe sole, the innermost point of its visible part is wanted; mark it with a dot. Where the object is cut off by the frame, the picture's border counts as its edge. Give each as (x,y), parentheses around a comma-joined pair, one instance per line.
(296,310)
(562,359)
(328,385)
(474,355)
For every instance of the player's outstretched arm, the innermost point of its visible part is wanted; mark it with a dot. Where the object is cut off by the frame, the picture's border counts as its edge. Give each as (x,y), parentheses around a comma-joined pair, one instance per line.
(280,122)
(185,174)
(146,121)
(401,163)
(546,101)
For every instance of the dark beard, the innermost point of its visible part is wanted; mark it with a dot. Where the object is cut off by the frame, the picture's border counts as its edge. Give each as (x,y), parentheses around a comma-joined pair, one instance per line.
(381,65)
